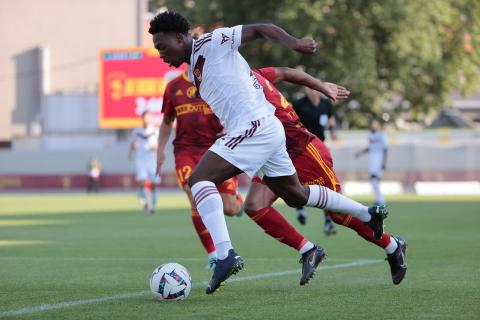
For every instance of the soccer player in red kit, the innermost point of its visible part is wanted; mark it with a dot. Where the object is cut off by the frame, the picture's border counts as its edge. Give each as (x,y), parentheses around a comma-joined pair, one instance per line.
(314,166)
(196,130)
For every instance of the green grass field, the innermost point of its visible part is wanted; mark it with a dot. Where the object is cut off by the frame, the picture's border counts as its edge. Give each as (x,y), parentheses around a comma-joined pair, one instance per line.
(90,257)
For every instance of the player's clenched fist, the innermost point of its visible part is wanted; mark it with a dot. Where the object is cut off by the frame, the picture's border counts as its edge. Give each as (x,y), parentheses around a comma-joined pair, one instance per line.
(305,45)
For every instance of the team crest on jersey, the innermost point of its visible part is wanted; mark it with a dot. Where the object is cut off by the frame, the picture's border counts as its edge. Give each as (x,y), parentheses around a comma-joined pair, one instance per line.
(225,38)
(192,92)
(198,74)
(197,71)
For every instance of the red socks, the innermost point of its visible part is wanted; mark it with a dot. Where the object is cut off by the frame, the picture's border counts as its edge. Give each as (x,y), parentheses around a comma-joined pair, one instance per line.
(275,225)
(360,227)
(202,232)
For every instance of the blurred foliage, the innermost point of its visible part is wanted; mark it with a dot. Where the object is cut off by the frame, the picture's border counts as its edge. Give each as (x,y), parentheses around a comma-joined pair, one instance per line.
(393,55)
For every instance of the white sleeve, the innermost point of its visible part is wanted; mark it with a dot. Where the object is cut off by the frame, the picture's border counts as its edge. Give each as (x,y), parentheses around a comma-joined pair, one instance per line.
(384,141)
(225,40)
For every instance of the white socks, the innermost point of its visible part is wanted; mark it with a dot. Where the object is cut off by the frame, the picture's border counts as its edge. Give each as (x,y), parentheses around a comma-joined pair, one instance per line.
(307,246)
(142,195)
(376,189)
(392,246)
(210,207)
(324,198)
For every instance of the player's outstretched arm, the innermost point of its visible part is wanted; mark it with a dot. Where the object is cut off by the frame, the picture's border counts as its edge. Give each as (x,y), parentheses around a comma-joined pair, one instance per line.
(361,152)
(164,134)
(331,90)
(251,32)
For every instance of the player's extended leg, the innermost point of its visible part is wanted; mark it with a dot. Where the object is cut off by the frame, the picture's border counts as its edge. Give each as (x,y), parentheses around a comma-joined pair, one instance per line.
(294,194)
(211,170)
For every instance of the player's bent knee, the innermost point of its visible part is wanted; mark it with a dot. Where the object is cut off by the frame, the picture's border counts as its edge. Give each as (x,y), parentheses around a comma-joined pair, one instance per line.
(296,200)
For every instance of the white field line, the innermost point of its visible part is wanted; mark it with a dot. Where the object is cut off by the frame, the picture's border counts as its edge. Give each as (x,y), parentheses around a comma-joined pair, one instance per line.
(127,295)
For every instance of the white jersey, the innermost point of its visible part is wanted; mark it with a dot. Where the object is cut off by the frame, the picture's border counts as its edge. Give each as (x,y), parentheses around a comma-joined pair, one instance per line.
(146,140)
(225,81)
(377,142)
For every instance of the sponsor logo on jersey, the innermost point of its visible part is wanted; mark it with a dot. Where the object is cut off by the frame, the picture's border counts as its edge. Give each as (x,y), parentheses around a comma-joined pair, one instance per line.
(193,107)
(225,38)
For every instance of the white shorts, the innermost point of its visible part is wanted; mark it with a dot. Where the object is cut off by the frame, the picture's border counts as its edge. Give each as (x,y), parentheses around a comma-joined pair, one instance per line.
(259,148)
(145,170)
(375,164)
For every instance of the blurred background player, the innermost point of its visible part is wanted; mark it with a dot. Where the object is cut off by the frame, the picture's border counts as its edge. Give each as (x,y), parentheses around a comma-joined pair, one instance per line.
(316,114)
(144,148)
(94,168)
(197,128)
(377,158)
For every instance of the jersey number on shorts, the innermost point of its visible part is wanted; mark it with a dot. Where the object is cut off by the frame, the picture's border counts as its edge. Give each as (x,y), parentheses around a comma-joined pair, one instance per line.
(183,174)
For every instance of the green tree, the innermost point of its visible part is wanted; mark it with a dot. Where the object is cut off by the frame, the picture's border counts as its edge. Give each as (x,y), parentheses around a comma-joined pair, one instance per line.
(391,54)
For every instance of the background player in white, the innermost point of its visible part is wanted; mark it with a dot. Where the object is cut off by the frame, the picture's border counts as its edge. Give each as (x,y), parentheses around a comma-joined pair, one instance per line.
(255,139)
(143,149)
(377,158)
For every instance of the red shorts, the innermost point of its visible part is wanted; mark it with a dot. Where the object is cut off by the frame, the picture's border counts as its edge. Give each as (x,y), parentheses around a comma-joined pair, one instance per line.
(315,166)
(185,163)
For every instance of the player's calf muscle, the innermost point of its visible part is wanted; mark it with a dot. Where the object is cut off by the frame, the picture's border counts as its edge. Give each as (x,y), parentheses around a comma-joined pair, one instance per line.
(289,189)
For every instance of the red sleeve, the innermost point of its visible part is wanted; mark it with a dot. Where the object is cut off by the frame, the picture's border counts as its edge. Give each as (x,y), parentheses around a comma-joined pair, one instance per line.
(168,107)
(267,73)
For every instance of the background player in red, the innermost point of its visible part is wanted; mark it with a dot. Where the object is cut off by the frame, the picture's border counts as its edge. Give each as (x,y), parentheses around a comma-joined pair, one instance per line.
(314,166)
(197,129)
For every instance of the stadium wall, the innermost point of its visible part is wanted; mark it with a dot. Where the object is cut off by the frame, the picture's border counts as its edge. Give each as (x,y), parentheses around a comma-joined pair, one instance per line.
(59,161)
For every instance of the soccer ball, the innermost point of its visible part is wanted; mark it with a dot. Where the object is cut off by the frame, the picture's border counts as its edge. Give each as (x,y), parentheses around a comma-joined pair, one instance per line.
(170,281)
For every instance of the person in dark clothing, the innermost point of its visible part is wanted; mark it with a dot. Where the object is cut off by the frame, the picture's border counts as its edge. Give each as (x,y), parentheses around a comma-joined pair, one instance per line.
(316,114)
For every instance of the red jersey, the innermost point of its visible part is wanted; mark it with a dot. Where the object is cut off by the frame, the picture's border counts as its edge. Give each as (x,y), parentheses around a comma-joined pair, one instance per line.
(197,125)
(297,136)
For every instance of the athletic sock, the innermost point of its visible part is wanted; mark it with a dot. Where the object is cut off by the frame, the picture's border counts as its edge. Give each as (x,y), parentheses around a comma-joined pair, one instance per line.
(324,198)
(210,207)
(153,195)
(392,246)
(275,225)
(142,195)
(203,233)
(306,247)
(361,228)
(376,189)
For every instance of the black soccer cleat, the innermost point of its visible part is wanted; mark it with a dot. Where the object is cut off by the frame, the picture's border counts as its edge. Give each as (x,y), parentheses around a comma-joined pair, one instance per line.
(310,261)
(302,219)
(378,214)
(224,269)
(398,261)
(329,229)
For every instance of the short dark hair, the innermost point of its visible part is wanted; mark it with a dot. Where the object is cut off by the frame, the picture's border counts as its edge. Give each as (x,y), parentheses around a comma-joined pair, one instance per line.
(169,21)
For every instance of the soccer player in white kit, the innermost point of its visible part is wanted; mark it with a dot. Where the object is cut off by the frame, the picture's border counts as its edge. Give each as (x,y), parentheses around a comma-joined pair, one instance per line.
(255,139)
(143,148)
(377,158)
